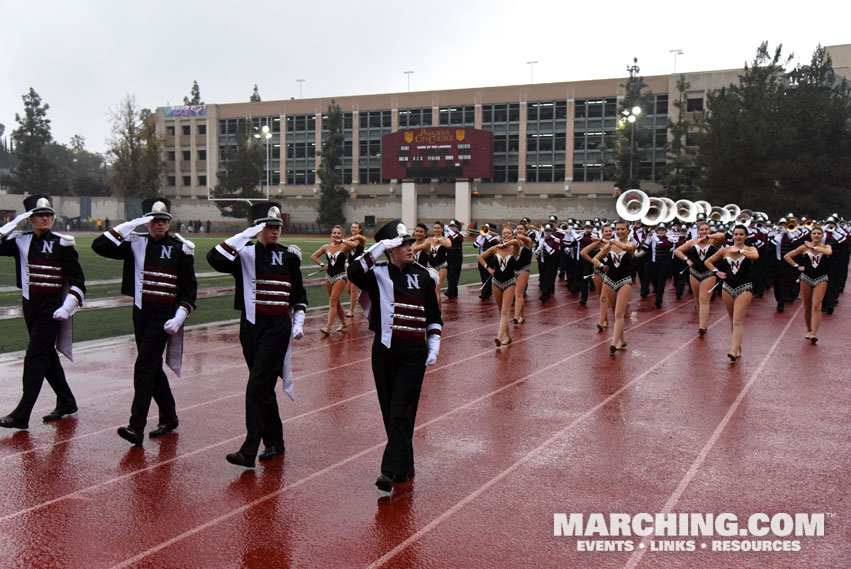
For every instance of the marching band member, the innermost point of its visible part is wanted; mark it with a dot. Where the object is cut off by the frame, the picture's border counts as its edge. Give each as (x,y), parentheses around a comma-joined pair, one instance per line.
(837,238)
(785,276)
(814,277)
(405,317)
(359,240)
(616,260)
(694,252)
(660,248)
(522,272)
(584,265)
(437,248)
(643,268)
(548,255)
(52,287)
(738,283)
(269,288)
(679,266)
(587,254)
(159,273)
(484,242)
(503,278)
(454,257)
(335,275)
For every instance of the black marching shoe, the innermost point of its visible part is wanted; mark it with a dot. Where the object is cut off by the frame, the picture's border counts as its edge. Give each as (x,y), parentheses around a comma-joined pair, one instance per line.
(163,429)
(130,435)
(272,451)
(240,459)
(384,483)
(57,414)
(11,423)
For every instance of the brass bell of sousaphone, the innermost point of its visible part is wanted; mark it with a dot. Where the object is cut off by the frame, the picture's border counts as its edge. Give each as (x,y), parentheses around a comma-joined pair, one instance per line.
(671,212)
(687,211)
(656,212)
(734,211)
(632,205)
(704,207)
(719,214)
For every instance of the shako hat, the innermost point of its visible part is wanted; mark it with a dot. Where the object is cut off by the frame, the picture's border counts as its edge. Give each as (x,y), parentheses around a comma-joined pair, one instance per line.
(158,208)
(392,230)
(267,212)
(38,203)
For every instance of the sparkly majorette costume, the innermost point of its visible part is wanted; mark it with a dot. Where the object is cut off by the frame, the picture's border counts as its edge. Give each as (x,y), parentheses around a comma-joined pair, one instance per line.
(336,266)
(739,278)
(620,270)
(697,255)
(504,275)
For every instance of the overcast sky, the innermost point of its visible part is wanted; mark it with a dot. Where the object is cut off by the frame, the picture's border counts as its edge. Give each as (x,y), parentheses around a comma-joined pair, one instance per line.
(84,56)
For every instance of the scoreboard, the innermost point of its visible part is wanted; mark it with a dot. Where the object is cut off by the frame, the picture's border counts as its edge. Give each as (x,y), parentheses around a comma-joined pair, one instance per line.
(437,152)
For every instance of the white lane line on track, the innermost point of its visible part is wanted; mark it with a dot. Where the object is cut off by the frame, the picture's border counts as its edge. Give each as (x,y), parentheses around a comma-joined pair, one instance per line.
(638,553)
(360,454)
(242,392)
(428,528)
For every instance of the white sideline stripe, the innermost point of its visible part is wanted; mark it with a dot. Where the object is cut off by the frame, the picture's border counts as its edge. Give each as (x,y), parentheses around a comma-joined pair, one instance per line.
(364,452)
(523,460)
(638,553)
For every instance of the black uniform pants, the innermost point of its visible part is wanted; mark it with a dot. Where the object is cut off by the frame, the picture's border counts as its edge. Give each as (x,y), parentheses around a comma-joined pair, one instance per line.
(785,287)
(486,283)
(644,269)
(149,379)
(661,272)
(454,259)
(264,344)
(398,373)
(583,269)
(549,271)
(836,275)
(41,361)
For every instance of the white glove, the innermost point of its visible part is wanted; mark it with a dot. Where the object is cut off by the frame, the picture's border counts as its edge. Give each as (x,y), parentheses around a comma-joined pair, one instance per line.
(298,325)
(127,227)
(433,349)
(173,325)
(10,227)
(379,248)
(68,308)
(238,241)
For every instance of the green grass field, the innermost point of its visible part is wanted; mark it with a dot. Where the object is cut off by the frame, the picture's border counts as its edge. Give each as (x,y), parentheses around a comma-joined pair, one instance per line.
(111,322)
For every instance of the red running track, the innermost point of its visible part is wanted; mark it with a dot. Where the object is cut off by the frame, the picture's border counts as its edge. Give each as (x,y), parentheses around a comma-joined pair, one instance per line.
(505,439)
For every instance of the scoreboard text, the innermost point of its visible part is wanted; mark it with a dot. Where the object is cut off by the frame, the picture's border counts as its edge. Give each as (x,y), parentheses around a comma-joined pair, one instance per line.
(437,152)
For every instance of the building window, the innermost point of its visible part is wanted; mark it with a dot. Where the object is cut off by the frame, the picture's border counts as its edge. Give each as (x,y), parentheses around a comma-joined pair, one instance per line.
(410,118)
(202,155)
(202,129)
(187,129)
(202,180)
(187,180)
(694,105)
(457,116)
(171,181)
(187,155)
(169,130)
(171,155)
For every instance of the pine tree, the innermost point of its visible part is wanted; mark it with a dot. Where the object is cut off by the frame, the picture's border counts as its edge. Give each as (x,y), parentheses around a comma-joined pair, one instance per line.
(255,96)
(681,172)
(631,137)
(29,164)
(332,195)
(243,167)
(196,95)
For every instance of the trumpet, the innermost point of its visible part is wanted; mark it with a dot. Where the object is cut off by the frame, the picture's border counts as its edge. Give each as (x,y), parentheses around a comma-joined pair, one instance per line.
(792,225)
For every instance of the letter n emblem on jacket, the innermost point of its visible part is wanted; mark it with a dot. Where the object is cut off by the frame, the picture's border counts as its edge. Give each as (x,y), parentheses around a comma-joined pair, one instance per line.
(277,257)
(47,246)
(413,281)
(166,252)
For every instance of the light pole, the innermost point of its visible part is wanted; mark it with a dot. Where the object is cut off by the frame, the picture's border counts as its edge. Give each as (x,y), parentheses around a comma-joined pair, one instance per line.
(676,52)
(531,65)
(300,82)
(265,133)
(630,116)
(408,73)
